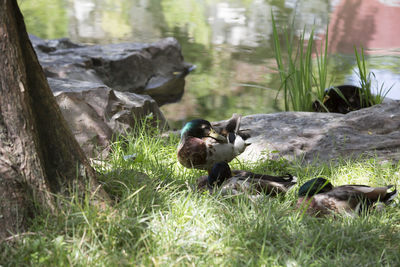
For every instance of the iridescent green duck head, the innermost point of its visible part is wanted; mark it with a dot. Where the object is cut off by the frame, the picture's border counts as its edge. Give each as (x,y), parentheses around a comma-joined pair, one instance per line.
(200,128)
(315,186)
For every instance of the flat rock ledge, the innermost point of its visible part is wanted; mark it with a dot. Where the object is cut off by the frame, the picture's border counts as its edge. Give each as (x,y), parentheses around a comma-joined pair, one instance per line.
(324,137)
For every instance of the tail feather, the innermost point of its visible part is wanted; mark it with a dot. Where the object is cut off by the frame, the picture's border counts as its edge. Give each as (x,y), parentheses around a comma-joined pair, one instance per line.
(292,178)
(292,181)
(390,196)
(244,133)
(238,121)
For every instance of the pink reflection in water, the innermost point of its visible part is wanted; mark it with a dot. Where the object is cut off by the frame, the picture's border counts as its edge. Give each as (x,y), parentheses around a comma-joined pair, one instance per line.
(372,24)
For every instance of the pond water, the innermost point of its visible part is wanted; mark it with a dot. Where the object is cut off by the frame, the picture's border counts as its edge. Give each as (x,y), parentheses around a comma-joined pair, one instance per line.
(231,43)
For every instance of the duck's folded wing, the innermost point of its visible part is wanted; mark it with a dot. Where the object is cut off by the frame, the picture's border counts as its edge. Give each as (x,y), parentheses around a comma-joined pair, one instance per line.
(372,193)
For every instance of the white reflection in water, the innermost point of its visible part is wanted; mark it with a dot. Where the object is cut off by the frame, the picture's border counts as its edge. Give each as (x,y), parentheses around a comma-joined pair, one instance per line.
(86,24)
(394,3)
(387,77)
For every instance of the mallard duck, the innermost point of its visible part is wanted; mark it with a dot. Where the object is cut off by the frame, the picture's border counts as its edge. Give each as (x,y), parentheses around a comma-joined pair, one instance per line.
(201,146)
(342,99)
(320,197)
(238,181)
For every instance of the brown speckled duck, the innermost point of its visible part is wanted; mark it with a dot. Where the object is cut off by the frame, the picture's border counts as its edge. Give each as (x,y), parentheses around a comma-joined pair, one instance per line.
(319,197)
(237,181)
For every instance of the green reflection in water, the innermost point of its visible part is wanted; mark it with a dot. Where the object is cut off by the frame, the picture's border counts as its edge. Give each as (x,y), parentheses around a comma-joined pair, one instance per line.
(190,16)
(46,19)
(115,19)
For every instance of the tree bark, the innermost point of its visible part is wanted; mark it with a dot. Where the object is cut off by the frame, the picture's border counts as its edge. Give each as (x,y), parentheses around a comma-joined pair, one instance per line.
(38,153)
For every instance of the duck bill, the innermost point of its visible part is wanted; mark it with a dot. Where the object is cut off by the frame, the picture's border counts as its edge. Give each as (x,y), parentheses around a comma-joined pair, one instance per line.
(217,136)
(326,98)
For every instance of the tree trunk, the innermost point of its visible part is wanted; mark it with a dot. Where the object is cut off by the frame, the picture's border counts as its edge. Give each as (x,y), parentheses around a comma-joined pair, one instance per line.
(38,153)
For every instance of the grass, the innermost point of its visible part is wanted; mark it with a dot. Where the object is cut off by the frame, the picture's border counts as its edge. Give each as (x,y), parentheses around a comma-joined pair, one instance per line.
(159,220)
(300,81)
(367,98)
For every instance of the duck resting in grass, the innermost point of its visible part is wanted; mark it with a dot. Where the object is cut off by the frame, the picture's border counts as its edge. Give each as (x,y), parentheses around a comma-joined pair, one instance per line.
(201,146)
(237,181)
(319,197)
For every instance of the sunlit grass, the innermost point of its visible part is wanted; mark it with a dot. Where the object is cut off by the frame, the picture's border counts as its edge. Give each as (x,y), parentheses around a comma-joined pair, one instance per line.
(158,219)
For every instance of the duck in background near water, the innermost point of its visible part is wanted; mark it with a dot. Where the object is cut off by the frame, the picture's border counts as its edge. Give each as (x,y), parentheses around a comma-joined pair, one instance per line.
(201,146)
(319,197)
(343,99)
(238,181)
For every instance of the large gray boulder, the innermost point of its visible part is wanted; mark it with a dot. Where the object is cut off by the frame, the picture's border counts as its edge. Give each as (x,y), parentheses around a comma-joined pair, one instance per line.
(157,69)
(96,113)
(322,137)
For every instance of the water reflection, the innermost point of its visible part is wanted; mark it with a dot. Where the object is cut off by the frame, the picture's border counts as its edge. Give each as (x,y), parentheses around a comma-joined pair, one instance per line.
(229,41)
(367,23)
(45,18)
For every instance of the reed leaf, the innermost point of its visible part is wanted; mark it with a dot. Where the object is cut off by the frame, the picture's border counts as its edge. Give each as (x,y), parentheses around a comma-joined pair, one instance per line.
(298,80)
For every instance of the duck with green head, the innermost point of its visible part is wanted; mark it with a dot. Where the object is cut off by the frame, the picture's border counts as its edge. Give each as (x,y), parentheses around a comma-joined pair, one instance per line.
(201,146)
(319,197)
(237,181)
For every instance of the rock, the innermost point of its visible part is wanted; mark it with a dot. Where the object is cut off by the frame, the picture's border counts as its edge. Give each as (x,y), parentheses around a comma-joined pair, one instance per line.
(95,112)
(157,69)
(322,137)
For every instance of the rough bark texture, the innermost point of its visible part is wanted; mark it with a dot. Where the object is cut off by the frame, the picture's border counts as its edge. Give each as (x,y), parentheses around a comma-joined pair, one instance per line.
(38,153)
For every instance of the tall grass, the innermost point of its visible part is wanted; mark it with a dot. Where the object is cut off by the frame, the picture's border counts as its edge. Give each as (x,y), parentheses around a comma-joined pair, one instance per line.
(322,70)
(159,220)
(367,98)
(300,83)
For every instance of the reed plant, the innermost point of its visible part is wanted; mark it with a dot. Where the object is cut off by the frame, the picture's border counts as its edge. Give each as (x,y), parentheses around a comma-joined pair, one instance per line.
(367,96)
(300,82)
